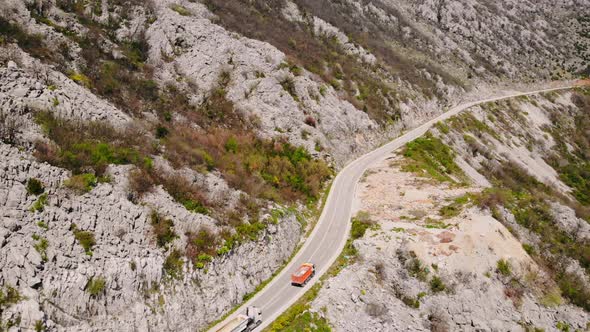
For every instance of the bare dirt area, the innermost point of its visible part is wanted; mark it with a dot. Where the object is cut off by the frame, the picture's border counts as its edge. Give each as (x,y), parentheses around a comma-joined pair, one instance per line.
(410,207)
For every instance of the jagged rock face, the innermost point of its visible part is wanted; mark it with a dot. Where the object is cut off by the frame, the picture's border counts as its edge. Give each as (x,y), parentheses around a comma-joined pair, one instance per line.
(518,39)
(55,279)
(48,89)
(508,36)
(202,51)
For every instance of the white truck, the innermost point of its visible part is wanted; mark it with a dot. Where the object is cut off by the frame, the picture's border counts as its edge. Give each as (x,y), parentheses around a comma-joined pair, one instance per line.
(244,323)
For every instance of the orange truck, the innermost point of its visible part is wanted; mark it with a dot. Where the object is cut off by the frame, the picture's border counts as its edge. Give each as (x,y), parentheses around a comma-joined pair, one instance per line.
(305,272)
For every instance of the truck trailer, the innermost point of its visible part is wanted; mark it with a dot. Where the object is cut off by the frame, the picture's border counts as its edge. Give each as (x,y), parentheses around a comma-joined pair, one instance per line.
(244,323)
(305,272)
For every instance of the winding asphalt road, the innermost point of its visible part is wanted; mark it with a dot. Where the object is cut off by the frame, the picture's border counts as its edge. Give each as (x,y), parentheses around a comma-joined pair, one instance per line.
(331,231)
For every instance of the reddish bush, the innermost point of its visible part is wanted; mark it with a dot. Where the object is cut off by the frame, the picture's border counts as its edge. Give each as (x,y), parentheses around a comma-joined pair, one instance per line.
(310,121)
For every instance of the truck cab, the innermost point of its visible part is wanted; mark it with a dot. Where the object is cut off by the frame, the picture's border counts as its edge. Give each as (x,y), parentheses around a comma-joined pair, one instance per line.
(303,274)
(244,323)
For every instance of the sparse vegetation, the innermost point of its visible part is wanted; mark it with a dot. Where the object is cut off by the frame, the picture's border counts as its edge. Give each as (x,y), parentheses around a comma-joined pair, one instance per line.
(320,55)
(433,223)
(503,267)
(79,146)
(289,85)
(96,286)
(552,298)
(180,10)
(360,224)
(429,156)
(271,169)
(39,326)
(163,230)
(525,198)
(82,183)
(40,203)
(437,285)
(9,296)
(467,122)
(84,238)
(173,264)
(455,208)
(417,269)
(41,247)
(31,43)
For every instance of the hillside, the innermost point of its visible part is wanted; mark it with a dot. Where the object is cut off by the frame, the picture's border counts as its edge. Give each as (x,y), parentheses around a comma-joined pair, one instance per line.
(162,159)
(481,224)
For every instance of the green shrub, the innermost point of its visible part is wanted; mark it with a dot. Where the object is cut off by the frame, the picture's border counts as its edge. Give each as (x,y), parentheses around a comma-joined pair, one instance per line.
(82,183)
(250,230)
(81,79)
(173,264)
(84,238)
(552,298)
(577,176)
(41,247)
(163,229)
(432,223)
(563,326)
(528,248)
(442,127)
(503,267)
(95,286)
(417,269)
(201,244)
(202,259)
(161,132)
(40,326)
(223,250)
(194,206)
(360,224)
(411,302)
(8,296)
(39,205)
(180,10)
(35,187)
(271,169)
(231,145)
(573,288)
(437,285)
(43,225)
(289,85)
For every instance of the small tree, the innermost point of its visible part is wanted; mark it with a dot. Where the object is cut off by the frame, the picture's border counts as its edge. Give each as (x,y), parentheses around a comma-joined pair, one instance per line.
(35,187)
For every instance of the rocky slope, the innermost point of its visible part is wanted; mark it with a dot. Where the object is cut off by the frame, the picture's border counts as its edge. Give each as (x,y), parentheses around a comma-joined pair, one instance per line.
(508,252)
(159,159)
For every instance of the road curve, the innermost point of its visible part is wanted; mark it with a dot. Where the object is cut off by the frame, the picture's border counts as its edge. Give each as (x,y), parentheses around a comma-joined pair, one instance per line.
(329,236)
